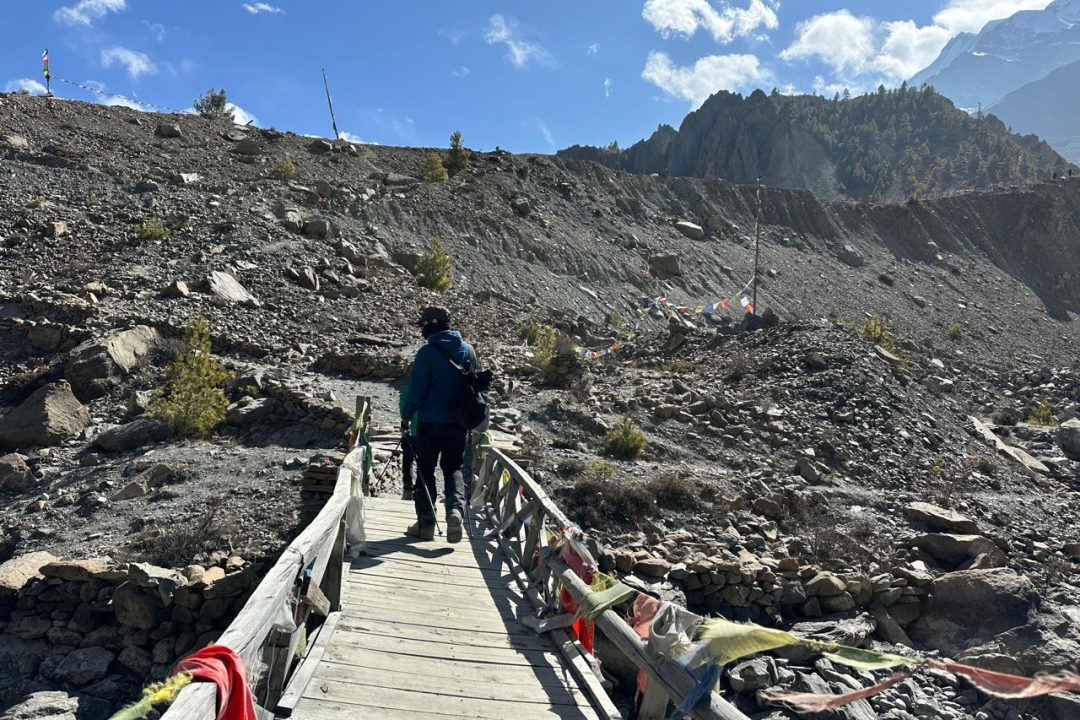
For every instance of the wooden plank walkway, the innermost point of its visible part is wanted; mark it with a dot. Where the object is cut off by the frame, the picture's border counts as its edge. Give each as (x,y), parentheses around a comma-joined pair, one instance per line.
(429,630)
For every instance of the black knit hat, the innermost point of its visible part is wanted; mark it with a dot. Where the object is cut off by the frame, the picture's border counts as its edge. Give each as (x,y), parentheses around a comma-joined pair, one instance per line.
(437,316)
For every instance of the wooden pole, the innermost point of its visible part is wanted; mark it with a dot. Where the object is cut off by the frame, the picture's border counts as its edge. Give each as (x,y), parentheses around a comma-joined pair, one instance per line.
(333,120)
(757,248)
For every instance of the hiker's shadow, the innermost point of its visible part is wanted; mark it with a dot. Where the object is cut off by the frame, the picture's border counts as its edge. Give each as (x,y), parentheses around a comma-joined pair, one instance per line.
(405,546)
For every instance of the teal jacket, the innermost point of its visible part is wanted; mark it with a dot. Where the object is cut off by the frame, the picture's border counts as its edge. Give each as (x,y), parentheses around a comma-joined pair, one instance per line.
(435,385)
(414,424)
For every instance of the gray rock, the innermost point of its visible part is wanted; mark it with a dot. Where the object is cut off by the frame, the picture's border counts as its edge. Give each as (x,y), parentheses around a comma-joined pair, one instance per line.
(227,289)
(690,230)
(250,411)
(665,265)
(398,180)
(939,518)
(967,606)
(247,146)
(18,571)
(45,705)
(137,660)
(1068,438)
(756,674)
(318,228)
(135,607)
(49,416)
(84,666)
(176,289)
(521,206)
(132,435)
(850,256)
(97,366)
(955,549)
(14,142)
(15,474)
(169,130)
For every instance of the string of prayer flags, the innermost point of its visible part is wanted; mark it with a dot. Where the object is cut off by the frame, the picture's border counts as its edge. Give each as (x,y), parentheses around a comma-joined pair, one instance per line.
(45,64)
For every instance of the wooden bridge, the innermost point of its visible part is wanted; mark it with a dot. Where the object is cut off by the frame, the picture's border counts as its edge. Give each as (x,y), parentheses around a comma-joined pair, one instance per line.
(428,630)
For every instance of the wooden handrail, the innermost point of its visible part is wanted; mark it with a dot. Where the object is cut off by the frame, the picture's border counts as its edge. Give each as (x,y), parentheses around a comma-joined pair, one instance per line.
(520,510)
(316,555)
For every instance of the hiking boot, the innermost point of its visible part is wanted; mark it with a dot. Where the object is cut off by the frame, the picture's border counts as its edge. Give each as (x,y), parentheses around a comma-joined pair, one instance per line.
(453,527)
(422,530)
(406,494)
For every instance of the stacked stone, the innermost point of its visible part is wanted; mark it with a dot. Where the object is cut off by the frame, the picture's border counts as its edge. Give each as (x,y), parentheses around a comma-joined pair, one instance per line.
(317,484)
(293,404)
(365,364)
(97,625)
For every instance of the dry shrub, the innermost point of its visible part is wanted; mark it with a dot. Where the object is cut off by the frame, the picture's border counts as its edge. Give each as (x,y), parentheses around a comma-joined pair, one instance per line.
(1042,414)
(178,543)
(543,340)
(876,331)
(598,500)
(673,491)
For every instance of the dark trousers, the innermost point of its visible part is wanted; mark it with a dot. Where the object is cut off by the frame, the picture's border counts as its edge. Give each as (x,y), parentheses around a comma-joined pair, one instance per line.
(441,444)
(408,462)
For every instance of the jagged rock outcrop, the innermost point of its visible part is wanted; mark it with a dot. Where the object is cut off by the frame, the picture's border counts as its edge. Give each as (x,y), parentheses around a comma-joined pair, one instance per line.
(49,416)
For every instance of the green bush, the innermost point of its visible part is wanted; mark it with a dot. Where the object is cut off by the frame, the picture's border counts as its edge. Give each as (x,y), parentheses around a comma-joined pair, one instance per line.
(543,340)
(625,440)
(192,402)
(956,331)
(458,157)
(1042,414)
(284,170)
(876,331)
(433,268)
(152,230)
(213,105)
(434,170)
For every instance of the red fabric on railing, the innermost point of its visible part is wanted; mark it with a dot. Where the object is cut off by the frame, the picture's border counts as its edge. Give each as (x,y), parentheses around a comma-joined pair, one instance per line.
(644,610)
(585,630)
(223,667)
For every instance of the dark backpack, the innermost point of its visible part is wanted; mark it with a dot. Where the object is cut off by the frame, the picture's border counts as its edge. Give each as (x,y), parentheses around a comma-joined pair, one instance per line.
(471,408)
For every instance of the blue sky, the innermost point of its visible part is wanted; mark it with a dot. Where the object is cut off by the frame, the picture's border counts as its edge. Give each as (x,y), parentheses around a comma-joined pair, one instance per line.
(526,76)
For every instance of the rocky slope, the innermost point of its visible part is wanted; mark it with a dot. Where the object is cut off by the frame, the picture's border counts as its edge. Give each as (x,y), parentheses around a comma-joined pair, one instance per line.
(888,145)
(780,465)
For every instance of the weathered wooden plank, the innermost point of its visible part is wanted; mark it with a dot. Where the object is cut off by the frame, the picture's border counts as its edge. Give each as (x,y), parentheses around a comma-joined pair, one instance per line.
(429,552)
(344,642)
(198,701)
(433,564)
(386,698)
(444,613)
(481,623)
(435,634)
(373,661)
(308,666)
(313,709)
(402,568)
(425,587)
(474,581)
(437,601)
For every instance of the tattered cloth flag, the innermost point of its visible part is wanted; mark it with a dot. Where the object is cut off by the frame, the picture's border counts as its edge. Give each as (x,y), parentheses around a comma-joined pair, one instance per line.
(45,64)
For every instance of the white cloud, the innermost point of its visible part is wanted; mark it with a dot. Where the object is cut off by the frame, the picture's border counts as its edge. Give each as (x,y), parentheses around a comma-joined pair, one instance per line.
(460,72)
(349,137)
(156,29)
(136,63)
(520,52)
(708,75)
(685,17)
(85,12)
(456,37)
(545,133)
(261,7)
(25,85)
(971,15)
(242,116)
(908,48)
(839,39)
(592,49)
(607,87)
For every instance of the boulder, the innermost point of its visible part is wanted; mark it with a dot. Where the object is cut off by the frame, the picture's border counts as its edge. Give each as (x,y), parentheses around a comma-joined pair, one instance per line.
(1068,438)
(665,265)
(132,435)
(227,289)
(938,518)
(850,256)
(75,570)
(45,705)
(652,567)
(318,228)
(825,584)
(521,206)
(169,130)
(968,606)
(135,607)
(250,411)
(690,230)
(756,674)
(15,474)
(49,416)
(247,146)
(399,180)
(14,142)
(176,289)
(15,573)
(84,666)
(956,549)
(97,366)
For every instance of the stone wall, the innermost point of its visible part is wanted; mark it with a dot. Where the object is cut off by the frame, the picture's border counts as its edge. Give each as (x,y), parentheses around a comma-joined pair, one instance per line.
(102,629)
(378,364)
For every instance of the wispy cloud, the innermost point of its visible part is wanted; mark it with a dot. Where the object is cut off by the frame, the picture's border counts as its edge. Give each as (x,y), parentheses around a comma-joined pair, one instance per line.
(155,29)
(607,87)
(261,7)
(520,52)
(25,85)
(545,133)
(460,72)
(85,12)
(136,63)
(592,49)
(349,137)
(454,35)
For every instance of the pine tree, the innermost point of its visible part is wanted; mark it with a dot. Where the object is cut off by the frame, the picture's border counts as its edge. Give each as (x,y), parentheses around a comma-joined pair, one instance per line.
(434,170)
(192,402)
(458,157)
(213,105)
(434,267)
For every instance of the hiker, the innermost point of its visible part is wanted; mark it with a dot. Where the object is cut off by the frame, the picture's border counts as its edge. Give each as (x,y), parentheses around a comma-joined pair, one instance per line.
(434,392)
(408,449)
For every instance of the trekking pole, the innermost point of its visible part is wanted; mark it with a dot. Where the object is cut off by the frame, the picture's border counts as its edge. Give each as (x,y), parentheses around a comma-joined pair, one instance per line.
(431,502)
(388,461)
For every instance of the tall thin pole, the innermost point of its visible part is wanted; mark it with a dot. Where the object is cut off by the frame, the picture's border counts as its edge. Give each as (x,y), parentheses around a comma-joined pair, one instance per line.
(333,120)
(757,248)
